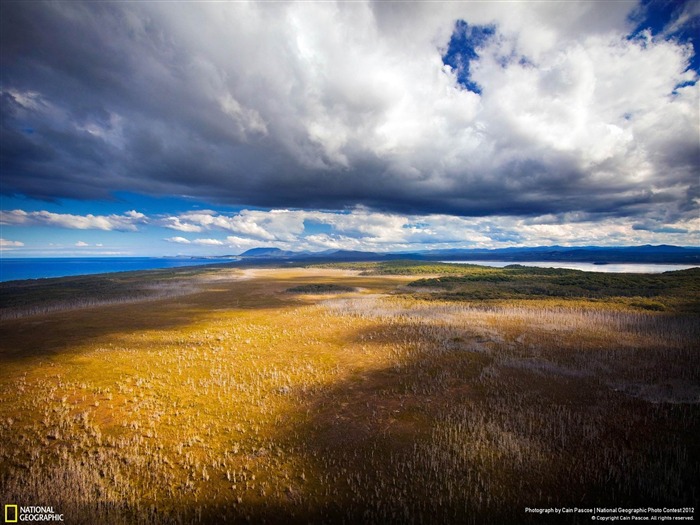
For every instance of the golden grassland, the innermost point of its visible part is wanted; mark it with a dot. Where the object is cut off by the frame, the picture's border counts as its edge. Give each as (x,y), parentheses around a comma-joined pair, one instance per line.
(239,401)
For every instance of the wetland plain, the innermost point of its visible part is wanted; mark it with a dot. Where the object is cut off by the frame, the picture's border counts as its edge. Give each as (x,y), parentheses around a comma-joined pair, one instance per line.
(396,392)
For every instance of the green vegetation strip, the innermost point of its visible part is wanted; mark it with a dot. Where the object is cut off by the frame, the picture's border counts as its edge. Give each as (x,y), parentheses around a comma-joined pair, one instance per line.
(672,291)
(677,291)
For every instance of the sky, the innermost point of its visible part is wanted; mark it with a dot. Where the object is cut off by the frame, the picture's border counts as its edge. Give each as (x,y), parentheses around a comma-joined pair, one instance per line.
(209,128)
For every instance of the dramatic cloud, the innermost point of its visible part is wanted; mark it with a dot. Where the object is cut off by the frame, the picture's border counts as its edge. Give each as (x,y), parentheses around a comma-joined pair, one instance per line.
(126,222)
(471,109)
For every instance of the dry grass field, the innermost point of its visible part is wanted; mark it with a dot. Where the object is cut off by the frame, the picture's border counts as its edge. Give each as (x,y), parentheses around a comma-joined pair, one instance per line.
(238,397)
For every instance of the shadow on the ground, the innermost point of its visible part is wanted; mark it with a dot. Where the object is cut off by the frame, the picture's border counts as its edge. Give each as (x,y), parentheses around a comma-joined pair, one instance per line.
(446,434)
(70,329)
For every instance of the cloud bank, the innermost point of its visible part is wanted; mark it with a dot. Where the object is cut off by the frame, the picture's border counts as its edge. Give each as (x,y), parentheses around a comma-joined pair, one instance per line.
(539,110)
(363,229)
(126,222)
(360,229)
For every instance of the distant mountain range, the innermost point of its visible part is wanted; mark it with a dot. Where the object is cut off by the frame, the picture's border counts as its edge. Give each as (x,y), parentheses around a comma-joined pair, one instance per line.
(594,254)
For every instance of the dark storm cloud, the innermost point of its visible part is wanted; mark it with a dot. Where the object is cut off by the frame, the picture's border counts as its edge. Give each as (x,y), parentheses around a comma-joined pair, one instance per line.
(333,106)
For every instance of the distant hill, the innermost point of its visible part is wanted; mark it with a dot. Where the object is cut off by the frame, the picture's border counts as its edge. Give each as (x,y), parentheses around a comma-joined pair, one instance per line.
(594,254)
(352,255)
(268,253)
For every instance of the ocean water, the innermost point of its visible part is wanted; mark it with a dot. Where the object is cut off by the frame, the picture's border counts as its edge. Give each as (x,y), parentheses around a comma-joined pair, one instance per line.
(12,269)
(587,267)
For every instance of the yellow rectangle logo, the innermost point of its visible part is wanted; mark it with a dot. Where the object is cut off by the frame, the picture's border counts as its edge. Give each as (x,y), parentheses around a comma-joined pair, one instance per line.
(9,519)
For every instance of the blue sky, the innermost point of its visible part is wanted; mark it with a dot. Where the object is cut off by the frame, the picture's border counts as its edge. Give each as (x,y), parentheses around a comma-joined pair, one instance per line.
(129,130)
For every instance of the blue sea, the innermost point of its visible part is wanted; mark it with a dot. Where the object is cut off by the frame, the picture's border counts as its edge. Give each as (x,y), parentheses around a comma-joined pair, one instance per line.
(12,269)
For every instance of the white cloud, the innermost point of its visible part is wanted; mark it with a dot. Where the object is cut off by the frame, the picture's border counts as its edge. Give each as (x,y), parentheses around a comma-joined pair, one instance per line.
(5,243)
(180,240)
(126,222)
(361,229)
(263,225)
(174,223)
(690,11)
(208,242)
(201,242)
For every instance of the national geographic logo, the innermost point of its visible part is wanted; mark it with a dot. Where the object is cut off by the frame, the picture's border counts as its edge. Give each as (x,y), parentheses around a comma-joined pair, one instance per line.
(11,513)
(17,514)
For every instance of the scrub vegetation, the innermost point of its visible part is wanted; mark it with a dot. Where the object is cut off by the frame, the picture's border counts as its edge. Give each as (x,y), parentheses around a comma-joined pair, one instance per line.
(416,394)
(320,289)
